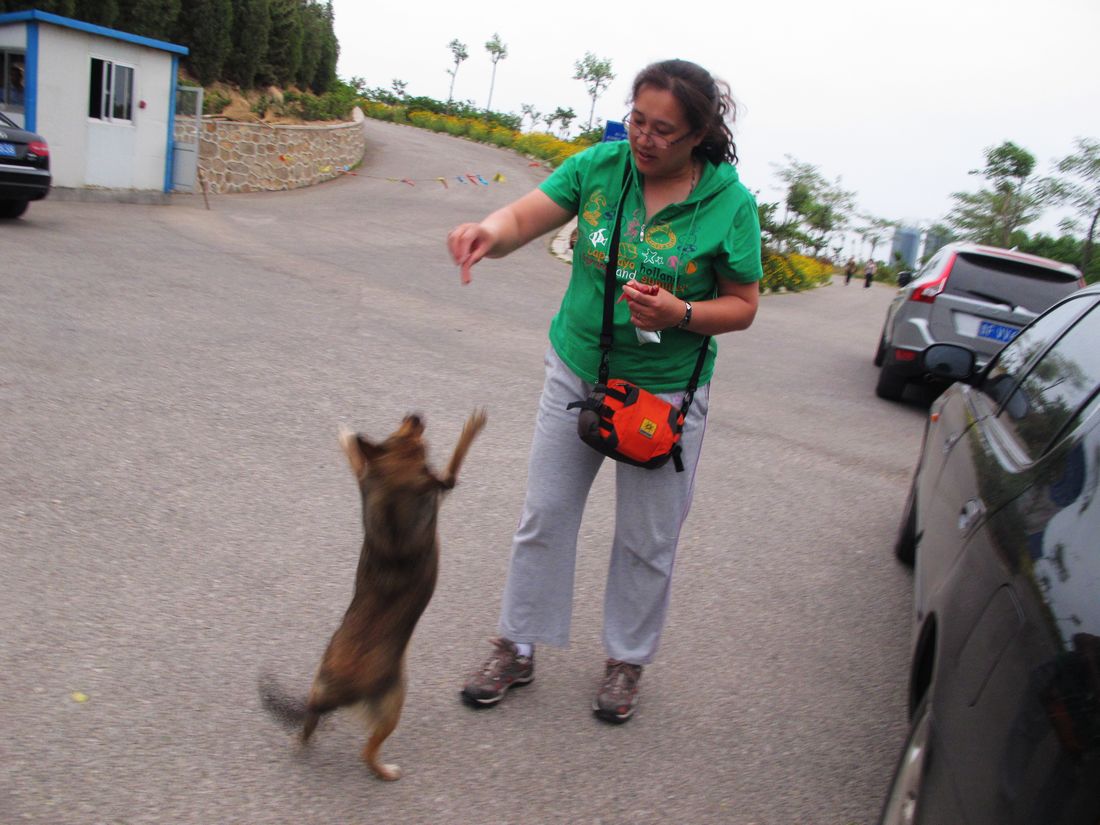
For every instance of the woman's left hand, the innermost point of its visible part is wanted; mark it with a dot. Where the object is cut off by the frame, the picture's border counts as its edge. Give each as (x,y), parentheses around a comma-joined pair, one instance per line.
(652,308)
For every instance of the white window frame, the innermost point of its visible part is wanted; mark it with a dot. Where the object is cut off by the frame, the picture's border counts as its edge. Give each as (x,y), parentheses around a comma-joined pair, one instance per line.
(108,97)
(6,53)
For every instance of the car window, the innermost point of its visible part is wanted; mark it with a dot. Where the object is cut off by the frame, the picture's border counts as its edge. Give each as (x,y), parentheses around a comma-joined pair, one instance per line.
(1056,386)
(932,267)
(1008,365)
(1013,283)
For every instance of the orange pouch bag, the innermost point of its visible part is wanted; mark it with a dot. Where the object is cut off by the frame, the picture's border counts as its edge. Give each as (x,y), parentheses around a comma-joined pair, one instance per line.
(629,424)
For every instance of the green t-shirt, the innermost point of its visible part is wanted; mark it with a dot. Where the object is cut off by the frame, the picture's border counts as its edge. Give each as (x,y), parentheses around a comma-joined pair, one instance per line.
(684,248)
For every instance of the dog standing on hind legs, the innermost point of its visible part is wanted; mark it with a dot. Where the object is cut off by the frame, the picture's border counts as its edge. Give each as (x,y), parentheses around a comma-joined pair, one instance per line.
(364,663)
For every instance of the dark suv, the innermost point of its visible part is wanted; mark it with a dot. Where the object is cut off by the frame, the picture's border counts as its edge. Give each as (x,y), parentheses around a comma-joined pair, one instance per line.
(24,168)
(977,296)
(1002,524)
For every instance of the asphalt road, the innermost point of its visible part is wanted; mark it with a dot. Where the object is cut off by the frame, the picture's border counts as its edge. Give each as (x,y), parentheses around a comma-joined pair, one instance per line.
(176,517)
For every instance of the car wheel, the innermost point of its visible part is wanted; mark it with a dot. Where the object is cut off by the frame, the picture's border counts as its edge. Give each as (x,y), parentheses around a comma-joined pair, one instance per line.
(12,209)
(891,385)
(905,546)
(880,353)
(902,804)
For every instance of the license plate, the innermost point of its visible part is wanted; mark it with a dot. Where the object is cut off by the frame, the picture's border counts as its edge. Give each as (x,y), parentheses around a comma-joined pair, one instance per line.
(997,332)
(7,150)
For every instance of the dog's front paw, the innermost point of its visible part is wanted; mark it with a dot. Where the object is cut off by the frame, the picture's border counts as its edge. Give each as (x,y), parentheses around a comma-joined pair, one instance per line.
(475,423)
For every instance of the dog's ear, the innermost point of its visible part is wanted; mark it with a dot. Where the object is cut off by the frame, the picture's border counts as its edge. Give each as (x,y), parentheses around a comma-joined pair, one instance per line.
(359,450)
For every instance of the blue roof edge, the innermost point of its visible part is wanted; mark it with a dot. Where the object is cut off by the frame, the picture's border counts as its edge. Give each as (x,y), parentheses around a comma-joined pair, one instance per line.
(91,28)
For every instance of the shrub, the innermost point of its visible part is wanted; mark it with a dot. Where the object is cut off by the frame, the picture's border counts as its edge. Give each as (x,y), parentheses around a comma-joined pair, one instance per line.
(546,147)
(214,102)
(501,136)
(792,273)
(262,104)
(478,130)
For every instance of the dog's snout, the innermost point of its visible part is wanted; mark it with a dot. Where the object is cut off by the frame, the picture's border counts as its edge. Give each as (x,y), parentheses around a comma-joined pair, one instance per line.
(414,420)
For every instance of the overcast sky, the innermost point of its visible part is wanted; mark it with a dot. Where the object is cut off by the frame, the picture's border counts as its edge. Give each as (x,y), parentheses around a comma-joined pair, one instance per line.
(897,100)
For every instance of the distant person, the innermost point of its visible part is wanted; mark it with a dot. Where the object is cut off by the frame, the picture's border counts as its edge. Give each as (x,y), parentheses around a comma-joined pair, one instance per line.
(849,270)
(688,218)
(869,273)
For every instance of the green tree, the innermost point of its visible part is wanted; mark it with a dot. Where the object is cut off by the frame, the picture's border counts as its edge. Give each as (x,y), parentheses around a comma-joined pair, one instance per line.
(815,209)
(284,50)
(458,54)
(324,78)
(312,17)
(66,8)
(100,12)
(875,230)
(529,111)
(1013,199)
(497,52)
(251,30)
(1081,191)
(149,18)
(597,75)
(205,27)
(565,118)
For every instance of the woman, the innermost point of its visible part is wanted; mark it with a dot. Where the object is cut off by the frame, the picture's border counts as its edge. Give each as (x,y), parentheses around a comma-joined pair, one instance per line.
(690,228)
(869,272)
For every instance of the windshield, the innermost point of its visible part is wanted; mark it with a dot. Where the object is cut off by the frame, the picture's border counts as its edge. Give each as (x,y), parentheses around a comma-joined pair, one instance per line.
(1012,283)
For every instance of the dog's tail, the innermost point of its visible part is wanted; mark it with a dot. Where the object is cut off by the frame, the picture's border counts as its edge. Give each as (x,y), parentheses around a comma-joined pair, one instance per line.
(289,711)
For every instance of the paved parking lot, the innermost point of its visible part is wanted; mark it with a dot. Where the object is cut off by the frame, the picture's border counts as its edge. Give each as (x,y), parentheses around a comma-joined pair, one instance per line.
(175,517)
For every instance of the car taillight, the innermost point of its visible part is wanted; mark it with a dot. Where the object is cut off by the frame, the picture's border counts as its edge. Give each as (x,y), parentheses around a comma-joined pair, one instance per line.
(926,293)
(39,148)
(901,354)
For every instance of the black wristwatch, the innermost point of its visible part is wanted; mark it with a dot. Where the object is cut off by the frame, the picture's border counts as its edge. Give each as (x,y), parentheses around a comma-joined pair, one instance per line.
(687,316)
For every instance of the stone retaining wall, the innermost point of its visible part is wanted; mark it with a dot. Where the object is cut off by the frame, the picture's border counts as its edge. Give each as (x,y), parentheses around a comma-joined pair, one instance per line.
(253,157)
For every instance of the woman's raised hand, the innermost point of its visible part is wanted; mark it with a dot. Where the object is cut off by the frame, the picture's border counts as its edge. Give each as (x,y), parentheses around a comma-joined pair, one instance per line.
(468,244)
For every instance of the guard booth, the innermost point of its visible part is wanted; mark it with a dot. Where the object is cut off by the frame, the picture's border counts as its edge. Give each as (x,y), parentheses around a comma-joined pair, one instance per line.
(104,100)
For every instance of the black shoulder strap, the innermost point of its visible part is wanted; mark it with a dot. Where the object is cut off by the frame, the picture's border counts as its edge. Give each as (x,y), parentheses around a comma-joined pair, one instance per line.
(607,334)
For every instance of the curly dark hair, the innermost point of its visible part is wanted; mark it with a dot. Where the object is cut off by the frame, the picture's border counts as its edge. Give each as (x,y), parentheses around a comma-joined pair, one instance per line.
(706,100)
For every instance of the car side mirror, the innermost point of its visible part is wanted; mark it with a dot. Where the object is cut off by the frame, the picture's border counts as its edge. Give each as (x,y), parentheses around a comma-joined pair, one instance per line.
(905,278)
(949,361)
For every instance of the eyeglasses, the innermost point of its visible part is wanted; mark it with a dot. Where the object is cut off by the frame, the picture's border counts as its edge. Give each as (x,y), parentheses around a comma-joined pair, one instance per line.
(660,141)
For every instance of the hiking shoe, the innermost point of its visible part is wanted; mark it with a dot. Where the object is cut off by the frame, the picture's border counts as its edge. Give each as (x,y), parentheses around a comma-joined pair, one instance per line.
(504,669)
(618,696)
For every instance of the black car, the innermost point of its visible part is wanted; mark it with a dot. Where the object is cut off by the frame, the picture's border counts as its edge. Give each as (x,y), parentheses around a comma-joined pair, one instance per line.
(1002,524)
(24,168)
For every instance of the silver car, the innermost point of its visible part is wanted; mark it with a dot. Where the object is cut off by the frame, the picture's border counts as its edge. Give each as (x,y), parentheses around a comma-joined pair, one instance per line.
(976,296)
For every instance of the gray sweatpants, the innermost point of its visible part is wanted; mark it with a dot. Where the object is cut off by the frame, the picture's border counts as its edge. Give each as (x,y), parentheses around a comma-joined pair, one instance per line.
(650,508)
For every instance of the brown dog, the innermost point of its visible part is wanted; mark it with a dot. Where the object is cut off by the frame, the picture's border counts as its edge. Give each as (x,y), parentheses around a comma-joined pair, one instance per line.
(364,663)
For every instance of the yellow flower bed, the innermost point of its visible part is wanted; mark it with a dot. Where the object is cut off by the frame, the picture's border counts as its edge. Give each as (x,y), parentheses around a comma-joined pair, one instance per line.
(536,144)
(793,273)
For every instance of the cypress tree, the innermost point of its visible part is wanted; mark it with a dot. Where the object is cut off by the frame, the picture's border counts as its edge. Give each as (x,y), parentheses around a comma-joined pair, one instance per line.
(325,76)
(205,27)
(251,33)
(149,18)
(284,50)
(66,8)
(100,12)
(313,23)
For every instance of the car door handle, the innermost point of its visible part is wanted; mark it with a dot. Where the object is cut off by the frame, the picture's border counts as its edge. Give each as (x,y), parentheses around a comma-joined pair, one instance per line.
(971,514)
